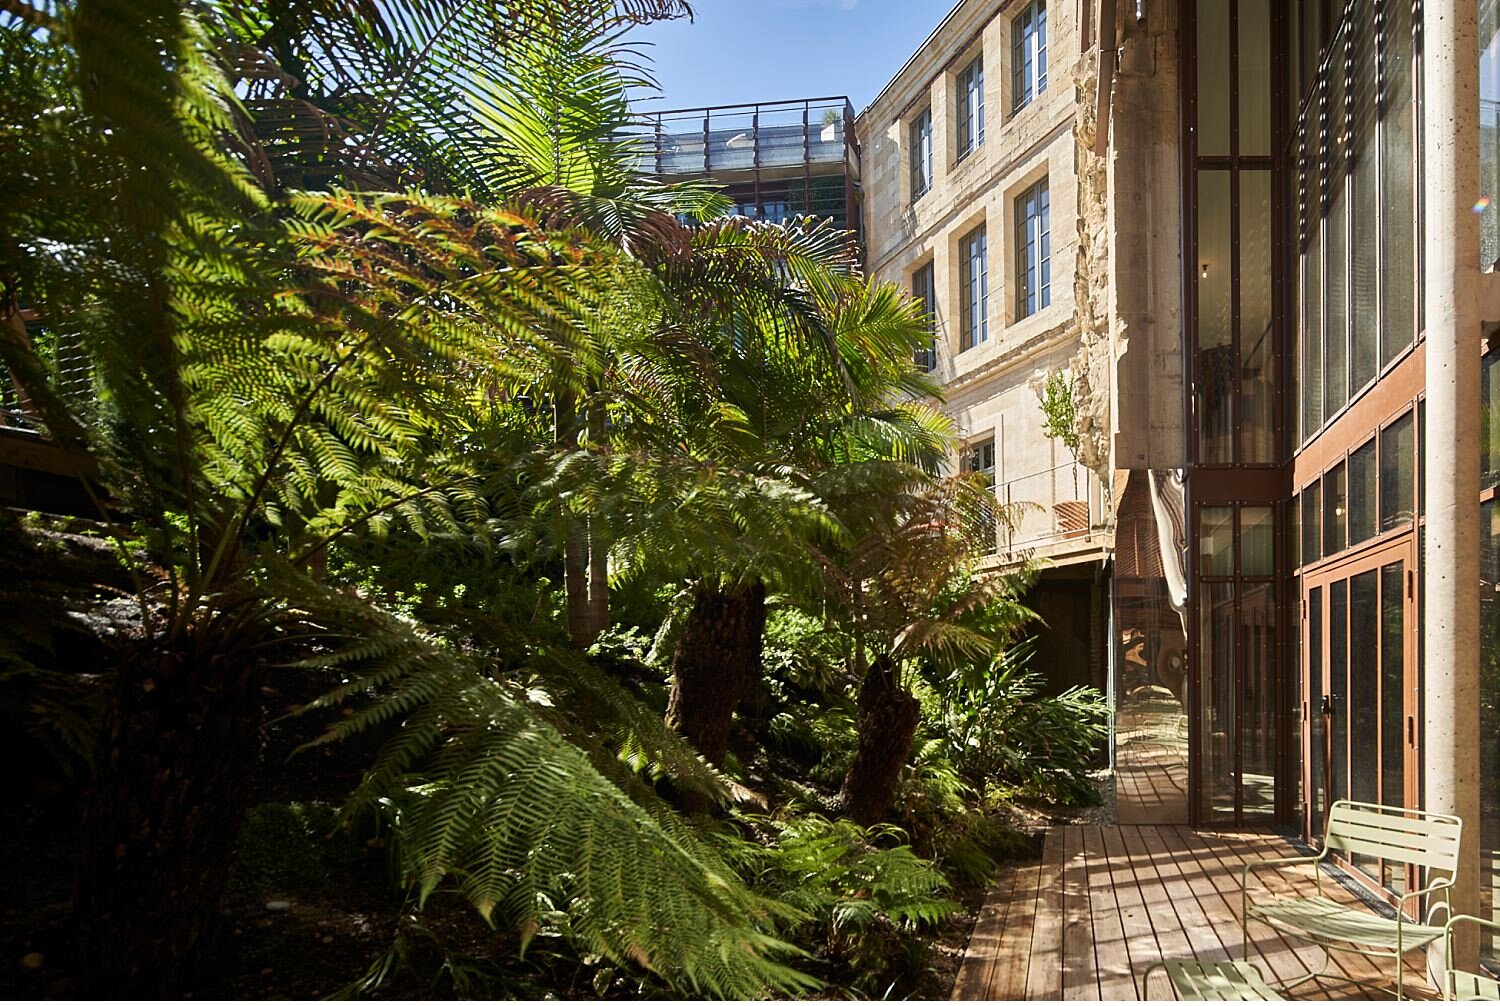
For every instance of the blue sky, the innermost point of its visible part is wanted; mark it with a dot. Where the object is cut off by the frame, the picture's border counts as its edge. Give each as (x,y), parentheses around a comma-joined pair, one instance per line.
(740,51)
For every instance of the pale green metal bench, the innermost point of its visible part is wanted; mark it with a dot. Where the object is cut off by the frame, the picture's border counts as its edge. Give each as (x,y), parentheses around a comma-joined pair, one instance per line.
(1466,986)
(1394,834)
(1214,981)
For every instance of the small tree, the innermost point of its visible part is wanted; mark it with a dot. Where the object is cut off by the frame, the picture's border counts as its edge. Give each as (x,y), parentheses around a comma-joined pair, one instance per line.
(1060,415)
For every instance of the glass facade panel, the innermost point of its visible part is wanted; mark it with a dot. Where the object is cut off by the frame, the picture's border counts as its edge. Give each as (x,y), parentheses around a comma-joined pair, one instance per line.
(1338,689)
(1216,363)
(1364,687)
(1257,541)
(1397,464)
(1336,244)
(1213,78)
(1311,306)
(1253,38)
(1316,725)
(1257,320)
(1489,710)
(1335,507)
(1312,523)
(1216,686)
(1364,221)
(1392,684)
(1489,421)
(1362,493)
(1489,133)
(1216,540)
(1257,689)
(1398,257)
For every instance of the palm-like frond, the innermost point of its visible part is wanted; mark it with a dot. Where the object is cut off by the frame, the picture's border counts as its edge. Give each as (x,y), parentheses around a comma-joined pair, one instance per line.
(488,795)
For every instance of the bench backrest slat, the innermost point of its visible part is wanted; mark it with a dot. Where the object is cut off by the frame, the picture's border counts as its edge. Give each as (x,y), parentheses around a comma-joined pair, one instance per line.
(1395,835)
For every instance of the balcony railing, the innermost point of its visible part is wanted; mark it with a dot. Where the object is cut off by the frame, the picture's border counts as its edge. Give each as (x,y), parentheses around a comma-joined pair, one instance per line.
(701,141)
(1052,507)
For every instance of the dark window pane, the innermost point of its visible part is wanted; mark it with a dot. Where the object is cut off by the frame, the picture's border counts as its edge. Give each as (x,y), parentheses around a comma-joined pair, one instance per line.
(970,100)
(1364,689)
(1216,686)
(1258,692)
(1338,686)
(1257,332)
(1216,363)
(1033,251)
(921,153)
(1213,77)
(1362,493)
(1489,426)
(1312,523)
(1335,505)
(1028,54)
(1216,540)
(1397,460)
(1315,714)
(1489,705)
(974,293)
(1392,683)
(924,292)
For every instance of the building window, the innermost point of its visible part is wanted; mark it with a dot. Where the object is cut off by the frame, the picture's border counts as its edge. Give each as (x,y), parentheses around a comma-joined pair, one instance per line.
(1029,62)
(974,289)
(971,107)
(979,459)
(921,153)
(1033,252)
(924,292)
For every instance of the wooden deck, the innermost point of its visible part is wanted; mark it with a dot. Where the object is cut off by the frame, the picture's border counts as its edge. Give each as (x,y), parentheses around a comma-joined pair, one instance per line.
(1105,903)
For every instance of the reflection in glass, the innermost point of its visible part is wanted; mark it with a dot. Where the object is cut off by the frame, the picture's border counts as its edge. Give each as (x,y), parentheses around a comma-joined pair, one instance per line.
(1312,523)
(1311,385)
(1216,540)
(1335,506)
(1364,687)
(1257,687)
(1489,708)
(1362,499)
(1489,432)
(1397,462)
(1316,727)
(1257,541)
(1338,688)
(1257,334)
(1216,686)
(1253,41)
(1489,133)
(1392,683)
(1216,363)
(1213,77)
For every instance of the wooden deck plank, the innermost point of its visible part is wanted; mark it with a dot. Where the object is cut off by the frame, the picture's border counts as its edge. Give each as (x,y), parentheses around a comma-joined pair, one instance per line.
(977,970)
(1135,918)
(1044,973)
(1111,953)
(1104,904)
(1008,977)
(1079,978)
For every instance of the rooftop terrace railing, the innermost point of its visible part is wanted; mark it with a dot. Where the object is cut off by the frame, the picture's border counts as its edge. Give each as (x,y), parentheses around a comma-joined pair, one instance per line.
(726,138)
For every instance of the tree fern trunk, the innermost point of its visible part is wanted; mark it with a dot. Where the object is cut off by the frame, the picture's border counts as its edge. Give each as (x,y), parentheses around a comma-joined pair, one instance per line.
(179,750)
(598,619)
(717,660)
(888,718)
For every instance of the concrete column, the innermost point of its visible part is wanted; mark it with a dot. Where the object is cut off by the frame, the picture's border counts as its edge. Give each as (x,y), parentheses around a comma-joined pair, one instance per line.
(1450,137)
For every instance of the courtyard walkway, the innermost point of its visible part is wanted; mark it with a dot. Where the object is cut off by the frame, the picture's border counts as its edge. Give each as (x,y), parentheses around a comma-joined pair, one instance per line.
(1105,903)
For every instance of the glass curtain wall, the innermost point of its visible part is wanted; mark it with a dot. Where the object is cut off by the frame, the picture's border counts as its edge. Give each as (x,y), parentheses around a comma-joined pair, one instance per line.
(1234,353)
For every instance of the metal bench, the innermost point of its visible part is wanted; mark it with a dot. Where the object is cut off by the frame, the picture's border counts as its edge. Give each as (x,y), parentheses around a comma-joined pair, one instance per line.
(1466,986)
(1214,981)
(1394,834)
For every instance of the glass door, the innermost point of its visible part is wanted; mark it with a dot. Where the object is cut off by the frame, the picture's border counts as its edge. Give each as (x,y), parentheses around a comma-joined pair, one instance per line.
(1359,701)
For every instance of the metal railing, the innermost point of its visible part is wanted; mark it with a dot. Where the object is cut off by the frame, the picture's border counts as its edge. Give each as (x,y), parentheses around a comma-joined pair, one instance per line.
(782,134)
(1050,507)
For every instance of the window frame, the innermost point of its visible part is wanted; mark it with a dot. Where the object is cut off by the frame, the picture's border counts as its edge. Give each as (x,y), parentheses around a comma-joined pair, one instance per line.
(974,292)
(1033,217)
(969,102)
(919,140)
(1028,54)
